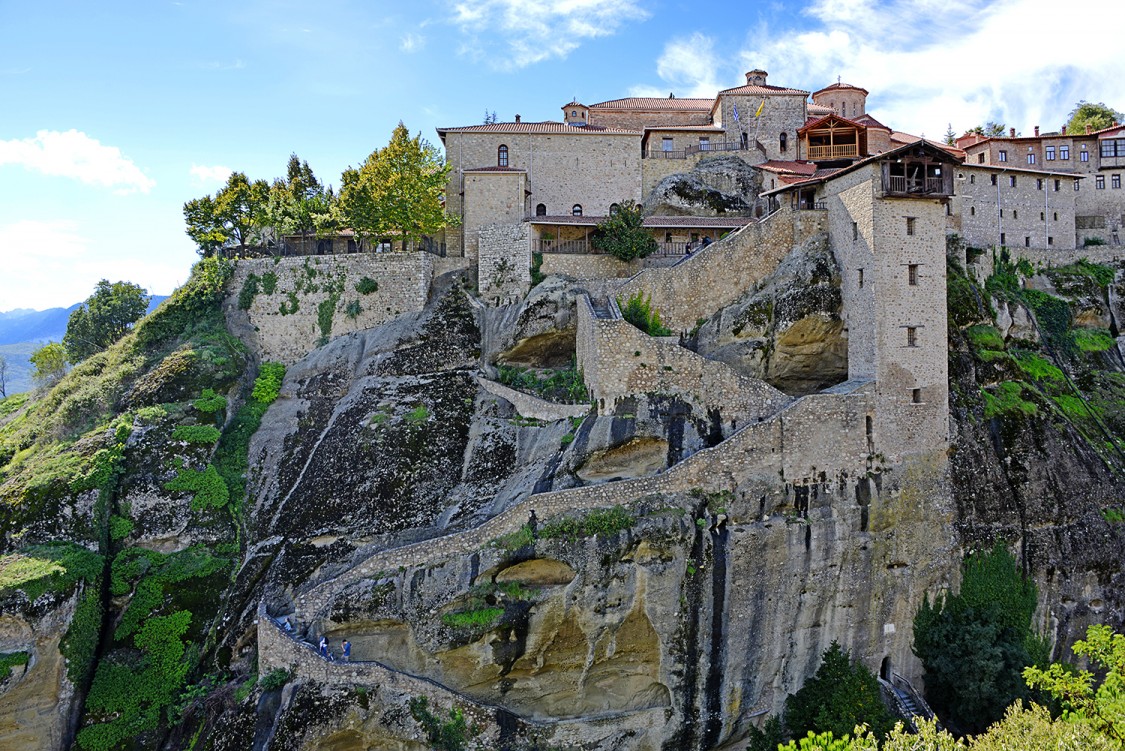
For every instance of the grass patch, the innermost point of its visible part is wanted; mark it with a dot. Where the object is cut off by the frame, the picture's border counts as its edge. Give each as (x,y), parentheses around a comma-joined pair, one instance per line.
(985,337)
(1037,367)
(203,435)
(1073,407)
(53,567)
(11,660)
(418,415)
(1113,515)
(1007,399)
(210,403)
(1093,340)
(1101,274)
(600,522)
(10,404)
(563,385)
(510,543)
(480,619)
(207,487)
(366,286)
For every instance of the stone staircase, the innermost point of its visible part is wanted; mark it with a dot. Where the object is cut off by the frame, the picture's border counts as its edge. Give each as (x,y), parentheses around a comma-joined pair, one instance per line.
(906,700)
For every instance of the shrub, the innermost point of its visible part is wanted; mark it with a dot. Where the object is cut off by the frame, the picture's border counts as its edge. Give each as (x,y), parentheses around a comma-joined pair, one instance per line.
(210,402)
(450,735)
(841,695)
(639,312)
(208,489)
(269,282)
(559,384)
(1007,399)
(418,415)
(1093,340)
(204,435)
(1091,241)
(1038,367)
(267,385)
(601,522)
(12,660)
(120,527)
(622,233)
(985,337)
(366,286)
(249,291)
(353,309)
(275,679)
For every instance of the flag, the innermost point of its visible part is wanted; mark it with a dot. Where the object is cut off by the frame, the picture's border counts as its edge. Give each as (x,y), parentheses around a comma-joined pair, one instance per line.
(760,106)
(736,113)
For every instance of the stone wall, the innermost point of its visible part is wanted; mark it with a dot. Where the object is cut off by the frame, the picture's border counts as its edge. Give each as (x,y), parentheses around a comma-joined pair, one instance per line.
(782,113)
(1035,214)
(618,360)
(532,406)
(491,198)
(655,169)
(716,276)
(815,439)
(599,265)
(633,119)
(313,298)
(504,263)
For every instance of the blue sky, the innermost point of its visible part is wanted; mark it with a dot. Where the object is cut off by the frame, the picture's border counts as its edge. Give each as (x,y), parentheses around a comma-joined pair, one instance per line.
(114,114)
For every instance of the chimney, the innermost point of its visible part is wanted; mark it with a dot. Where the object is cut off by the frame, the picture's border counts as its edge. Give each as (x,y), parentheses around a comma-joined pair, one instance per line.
(1087,130)
(1064,130)
(1011,132)
(1036,131)
(517,118)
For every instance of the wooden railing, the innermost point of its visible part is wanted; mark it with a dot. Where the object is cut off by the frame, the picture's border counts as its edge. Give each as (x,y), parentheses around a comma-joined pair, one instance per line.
(838,151)
(919,185)
(584,247)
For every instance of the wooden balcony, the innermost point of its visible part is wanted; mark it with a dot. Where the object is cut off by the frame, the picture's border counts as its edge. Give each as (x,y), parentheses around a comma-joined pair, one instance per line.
(930,185)
(835,151)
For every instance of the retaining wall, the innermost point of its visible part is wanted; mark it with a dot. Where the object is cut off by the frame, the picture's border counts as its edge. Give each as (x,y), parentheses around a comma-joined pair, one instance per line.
(532,406)
(719,274)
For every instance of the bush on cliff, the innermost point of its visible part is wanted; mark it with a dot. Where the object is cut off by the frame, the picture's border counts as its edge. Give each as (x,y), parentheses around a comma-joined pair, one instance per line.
(841,695)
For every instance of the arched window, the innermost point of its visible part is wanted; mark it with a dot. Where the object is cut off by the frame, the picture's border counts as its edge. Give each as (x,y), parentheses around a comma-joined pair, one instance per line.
(502,156)
(784,142)
(614,208)
(541,209)
(576,210)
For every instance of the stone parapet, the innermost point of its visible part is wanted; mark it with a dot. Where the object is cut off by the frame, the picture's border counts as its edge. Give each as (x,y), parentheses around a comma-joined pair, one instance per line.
(532,406)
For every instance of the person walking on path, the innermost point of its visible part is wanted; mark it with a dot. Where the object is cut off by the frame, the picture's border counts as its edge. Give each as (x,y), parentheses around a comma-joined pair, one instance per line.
(347,654)
(324,647)
(533,524)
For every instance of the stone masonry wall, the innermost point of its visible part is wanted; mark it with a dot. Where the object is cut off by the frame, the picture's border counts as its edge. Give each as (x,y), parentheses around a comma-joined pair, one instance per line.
(718,275)
(1035,214)
(491,198)
(532,406)
(618,360)
(289,322)
(815,439)
(599,265)
(504,263)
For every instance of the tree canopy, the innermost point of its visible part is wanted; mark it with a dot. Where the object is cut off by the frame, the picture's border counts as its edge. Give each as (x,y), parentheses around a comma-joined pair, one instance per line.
(841,695)
(50,364)
(990,129)
(300,204)
(1097,116)
(397,191)
(234,219)
(103,318)
(622,233)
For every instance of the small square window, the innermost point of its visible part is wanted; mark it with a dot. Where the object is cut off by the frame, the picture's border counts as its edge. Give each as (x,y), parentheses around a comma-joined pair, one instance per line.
(1039,185)
(1031,158)
(1050,153)
(910,225)
(915,396)
(1050,240)
(1056,216)
(1002,156)
(1085,155)
(911,336)
(1064,152)
(1099,182)
(912,274)
(972,179)
(993,179)
(1015,213)
(1042,216)
(972,211)
(1115,181)
(1027,242)
(1003,238)
(980,158)
(1077,183)
(1058,185)
(1011,181)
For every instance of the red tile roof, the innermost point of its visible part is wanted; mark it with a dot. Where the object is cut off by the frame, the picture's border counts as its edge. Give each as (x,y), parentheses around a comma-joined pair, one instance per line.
(819,110)
(645,103)
(795,168)
(871,122)
(763,90)
(691,128)
(546,126)
(840,86)
(495,169)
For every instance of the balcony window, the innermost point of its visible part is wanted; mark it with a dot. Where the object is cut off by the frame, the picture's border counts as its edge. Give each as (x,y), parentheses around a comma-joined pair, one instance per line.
(704,143)
(918,176)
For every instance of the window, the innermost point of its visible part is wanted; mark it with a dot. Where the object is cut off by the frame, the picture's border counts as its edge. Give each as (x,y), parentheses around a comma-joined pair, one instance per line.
(972,211)
(1049,154)
(855,230)
(704,143)
(1084,156)
(1003,239)
(912,275)
(1027,242)
(972,179)
(1015,213)
(1109,149)
(667,237)
(1099,182)
(576,210)
(745,141)
(1002,156)
(1115,181)
(1056,216)
(502,156)
(783,142)
(980,158)
(915,396)
(666,143)
(1011,181)
(993,179)
(1042,216)
(1058,185)
(1001,213)
(1050,240)
(541,209)
(860,278)
(910,225)
(911,336)
(1064,152)
(1076,184)
(1031,157)
(614,208)
(1039,185)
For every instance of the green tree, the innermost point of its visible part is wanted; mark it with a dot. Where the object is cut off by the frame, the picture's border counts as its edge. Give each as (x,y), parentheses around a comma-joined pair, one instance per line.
(975,644)
(103,318)
(235,219)
(1098,116)
(990,129)
(1100,706)
(950,135)
(398,191)
(50,364)
(622,233)
(841,695)
(300,204)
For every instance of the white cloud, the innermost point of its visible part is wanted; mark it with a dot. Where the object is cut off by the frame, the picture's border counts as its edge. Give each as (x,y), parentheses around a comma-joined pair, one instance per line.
(932,62)
(215,175)
(75,155)
(689,66)
(412,42)
(535,30)
(40,256)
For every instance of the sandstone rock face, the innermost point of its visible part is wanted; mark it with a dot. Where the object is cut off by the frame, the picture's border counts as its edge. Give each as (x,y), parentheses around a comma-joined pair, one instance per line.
(789,331)
(716,186)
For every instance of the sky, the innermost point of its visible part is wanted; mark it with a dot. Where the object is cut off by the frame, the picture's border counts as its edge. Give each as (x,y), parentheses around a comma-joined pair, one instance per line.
(113,114)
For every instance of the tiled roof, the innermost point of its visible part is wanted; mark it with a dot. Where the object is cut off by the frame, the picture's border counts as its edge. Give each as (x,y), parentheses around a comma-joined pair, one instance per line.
(795,168)
(764,90)
(654,103)
(819,110)
(904,138)
(652,222)
(573,104)
(841,86)
(495,169)
(823,174)
(547,126)
(691,128)
(871,122)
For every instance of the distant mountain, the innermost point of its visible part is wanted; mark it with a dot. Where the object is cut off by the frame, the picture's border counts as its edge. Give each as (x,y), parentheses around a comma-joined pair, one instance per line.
(23,330)
(38,326)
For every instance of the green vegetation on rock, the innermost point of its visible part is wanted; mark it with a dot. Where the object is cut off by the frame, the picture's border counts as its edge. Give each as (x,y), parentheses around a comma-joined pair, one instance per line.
(203,435)
(1007,399)
(366,285)
(563,385)
(600,522)
(638,311)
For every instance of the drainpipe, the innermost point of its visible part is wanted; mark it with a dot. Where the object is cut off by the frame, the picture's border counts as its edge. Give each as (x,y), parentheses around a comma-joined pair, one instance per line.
(999,212)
